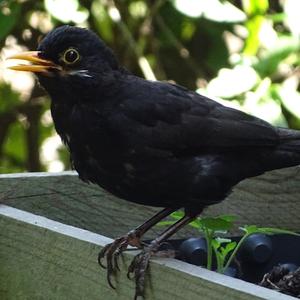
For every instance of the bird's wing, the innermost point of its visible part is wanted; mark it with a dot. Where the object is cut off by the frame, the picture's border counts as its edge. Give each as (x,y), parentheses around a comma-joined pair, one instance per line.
(170,117)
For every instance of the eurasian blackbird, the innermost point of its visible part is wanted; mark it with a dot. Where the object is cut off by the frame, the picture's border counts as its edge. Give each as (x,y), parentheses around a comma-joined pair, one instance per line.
(149,142)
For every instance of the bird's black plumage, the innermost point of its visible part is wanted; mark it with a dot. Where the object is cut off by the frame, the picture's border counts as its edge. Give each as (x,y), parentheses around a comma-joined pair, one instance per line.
(153,143)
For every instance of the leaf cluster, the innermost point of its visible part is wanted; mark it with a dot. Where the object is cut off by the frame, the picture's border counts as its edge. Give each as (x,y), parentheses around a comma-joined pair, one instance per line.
(214,229)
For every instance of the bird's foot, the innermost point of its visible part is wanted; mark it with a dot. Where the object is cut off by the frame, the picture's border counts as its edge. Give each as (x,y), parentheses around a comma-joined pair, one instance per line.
(113,250)
(140,263)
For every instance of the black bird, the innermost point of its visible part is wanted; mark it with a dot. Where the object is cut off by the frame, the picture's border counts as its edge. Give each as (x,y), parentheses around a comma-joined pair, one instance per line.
(152,143)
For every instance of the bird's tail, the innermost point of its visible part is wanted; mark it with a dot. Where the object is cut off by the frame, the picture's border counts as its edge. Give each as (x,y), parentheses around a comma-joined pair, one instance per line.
(286,154)
(289,140)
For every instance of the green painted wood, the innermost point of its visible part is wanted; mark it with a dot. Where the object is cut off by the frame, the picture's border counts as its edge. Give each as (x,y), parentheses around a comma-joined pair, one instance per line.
(42,259)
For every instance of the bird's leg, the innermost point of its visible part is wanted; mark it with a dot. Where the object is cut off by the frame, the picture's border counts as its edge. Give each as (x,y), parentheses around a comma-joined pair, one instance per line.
(132,238)
(140,263)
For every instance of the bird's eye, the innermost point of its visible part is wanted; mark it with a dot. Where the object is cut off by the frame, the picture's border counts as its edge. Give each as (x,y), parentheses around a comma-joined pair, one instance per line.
(70,56)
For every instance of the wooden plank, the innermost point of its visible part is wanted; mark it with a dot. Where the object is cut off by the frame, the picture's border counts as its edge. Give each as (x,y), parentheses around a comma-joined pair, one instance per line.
(268,200)
(44,259)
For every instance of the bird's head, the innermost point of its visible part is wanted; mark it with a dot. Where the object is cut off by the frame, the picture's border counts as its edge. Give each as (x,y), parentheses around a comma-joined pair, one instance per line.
(69,56)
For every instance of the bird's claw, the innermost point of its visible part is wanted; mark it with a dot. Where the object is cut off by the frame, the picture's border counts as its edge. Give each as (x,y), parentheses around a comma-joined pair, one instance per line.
(138,268)
(101,255)
(112,252)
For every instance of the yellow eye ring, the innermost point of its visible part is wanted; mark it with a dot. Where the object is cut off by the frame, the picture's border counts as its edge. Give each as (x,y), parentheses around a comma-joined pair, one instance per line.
(70,56)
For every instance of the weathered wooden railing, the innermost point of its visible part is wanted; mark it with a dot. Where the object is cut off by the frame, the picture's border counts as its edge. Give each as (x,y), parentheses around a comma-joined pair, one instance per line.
(52,227)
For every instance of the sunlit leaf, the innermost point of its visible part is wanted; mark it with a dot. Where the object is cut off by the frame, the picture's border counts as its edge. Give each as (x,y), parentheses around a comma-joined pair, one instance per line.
(262,103)
(255,7)
(225,84)
(267,109)
(216,10)
(290,98)
(292,20)
(66,10)
(269,61)
(137,9)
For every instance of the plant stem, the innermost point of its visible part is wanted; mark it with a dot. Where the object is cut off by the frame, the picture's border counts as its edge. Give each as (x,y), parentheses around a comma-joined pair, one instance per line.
(235,250)
(220,261)
(208,236)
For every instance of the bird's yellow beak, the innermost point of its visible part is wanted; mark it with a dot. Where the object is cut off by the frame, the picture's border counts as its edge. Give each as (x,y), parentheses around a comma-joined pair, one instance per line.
(38,65)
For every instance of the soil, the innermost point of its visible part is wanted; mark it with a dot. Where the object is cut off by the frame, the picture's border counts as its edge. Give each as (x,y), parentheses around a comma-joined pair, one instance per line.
(282,280)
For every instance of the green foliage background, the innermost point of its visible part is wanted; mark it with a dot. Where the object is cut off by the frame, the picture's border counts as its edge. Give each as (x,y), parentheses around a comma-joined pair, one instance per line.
(245,52)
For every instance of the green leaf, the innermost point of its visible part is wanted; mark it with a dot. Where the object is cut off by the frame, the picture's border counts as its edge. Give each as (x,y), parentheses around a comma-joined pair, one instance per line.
(177,215)
(216,223)
(102,21)
(9,15)
(215,243)
(251,229)
(228,218)
(9,98)
(228,248)
(218,241)
(256,10)
(277,17)
(253,42)
(196,224)
(269,230)
(13,150)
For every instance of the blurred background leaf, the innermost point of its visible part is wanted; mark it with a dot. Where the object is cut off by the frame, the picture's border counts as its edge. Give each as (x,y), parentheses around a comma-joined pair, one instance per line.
(242,53)
(9,15)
